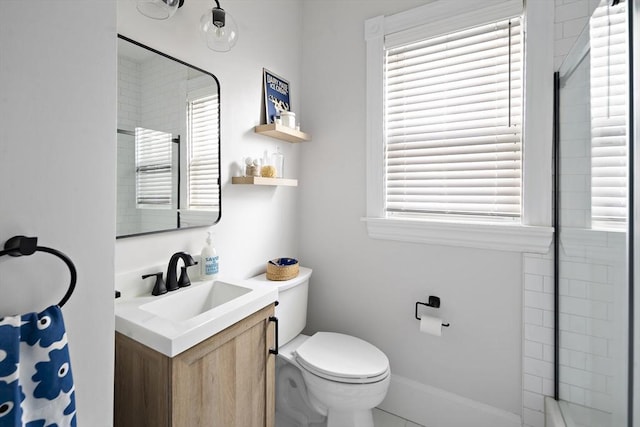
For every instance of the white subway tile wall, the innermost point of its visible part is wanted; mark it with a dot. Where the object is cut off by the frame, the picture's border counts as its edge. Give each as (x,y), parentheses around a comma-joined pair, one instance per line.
(575,153)
(128,117)
(592,323)
(537,364)
(570,18)
(165,110)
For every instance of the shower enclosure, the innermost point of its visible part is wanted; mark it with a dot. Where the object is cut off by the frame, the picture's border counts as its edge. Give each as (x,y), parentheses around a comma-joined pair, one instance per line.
(594,224)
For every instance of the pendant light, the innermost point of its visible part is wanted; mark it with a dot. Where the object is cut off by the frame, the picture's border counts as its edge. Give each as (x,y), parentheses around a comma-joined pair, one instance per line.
(158,9)
(218,29)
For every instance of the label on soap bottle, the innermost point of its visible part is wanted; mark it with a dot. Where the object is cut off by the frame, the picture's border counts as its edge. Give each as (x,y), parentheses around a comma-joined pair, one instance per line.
(211,265)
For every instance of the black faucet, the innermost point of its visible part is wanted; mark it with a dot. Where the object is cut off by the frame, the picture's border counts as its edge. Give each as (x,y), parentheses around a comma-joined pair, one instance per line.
(173,282)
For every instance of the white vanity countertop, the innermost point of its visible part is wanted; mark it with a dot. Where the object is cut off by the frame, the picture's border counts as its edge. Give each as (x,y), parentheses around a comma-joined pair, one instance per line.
(173,336)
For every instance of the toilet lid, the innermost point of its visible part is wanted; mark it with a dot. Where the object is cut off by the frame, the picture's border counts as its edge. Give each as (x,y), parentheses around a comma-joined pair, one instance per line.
(342,358)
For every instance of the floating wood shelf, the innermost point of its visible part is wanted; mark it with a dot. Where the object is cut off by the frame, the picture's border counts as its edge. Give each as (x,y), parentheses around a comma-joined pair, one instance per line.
(282,132)
(258,180)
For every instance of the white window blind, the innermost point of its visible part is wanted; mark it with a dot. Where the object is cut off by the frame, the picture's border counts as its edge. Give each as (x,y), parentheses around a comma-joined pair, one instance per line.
(608,115)
(453,107)
(203,134)
(153,168)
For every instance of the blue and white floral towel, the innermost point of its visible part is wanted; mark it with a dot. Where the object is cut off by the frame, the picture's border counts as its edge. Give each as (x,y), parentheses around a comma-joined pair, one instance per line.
(36,385)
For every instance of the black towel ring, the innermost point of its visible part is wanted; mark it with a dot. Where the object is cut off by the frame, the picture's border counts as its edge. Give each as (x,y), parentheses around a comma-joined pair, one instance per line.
(22,245)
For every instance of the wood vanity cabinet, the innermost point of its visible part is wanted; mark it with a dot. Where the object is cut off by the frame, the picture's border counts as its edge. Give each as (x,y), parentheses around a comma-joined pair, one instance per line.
(227,380)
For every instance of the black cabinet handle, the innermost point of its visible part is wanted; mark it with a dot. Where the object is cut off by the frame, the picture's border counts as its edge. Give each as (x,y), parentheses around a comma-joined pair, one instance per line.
(275,320)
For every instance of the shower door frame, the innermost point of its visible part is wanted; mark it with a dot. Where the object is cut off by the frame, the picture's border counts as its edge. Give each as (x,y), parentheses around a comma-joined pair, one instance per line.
(633,405)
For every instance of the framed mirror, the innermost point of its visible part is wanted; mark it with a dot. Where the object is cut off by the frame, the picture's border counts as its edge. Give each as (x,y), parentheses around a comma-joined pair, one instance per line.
(168,161)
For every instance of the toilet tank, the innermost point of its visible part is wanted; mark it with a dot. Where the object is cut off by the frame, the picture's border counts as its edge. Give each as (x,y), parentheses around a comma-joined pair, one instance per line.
(291,310)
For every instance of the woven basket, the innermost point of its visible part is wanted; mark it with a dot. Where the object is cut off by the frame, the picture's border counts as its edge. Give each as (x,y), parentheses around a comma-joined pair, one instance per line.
(276,270)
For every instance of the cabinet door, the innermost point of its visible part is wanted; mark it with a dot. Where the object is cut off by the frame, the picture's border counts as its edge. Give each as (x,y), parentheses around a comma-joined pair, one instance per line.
(227,380)
(142,391)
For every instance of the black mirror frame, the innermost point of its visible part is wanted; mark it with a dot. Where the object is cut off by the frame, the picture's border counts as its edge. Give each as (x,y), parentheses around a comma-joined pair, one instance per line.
(134,42)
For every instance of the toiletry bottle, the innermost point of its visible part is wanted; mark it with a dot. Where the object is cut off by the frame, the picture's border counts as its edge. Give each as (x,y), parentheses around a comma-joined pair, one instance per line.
(209,260)
(277,159)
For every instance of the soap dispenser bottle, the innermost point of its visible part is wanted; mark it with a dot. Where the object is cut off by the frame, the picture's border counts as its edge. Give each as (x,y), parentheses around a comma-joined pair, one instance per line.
(209,260)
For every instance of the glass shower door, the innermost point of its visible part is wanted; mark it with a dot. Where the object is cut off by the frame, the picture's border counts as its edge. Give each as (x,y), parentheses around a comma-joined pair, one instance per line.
(592,229)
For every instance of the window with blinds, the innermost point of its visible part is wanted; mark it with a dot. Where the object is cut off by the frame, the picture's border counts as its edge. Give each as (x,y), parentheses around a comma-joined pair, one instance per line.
(203,165)
(453,108)
(608,116)
(153,168)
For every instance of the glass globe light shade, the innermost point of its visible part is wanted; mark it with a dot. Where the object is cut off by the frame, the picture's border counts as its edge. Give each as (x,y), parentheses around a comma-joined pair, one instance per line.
(219,30)
(157,9)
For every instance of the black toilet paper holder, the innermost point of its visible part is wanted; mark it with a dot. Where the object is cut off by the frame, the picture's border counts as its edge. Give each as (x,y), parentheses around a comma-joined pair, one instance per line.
(433,302)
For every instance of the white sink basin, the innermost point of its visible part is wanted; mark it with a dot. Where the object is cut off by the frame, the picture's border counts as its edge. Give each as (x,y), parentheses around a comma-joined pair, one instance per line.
(187,305)
(178,320)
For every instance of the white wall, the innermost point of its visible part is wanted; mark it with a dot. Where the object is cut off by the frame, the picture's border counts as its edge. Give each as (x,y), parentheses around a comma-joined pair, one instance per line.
(258,223)
(57,116)
(369,287)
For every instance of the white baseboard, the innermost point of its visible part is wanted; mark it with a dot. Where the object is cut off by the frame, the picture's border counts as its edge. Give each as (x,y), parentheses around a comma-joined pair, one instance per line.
(433,407)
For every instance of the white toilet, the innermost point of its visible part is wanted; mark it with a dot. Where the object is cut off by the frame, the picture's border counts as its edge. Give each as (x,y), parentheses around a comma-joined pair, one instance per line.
(327,379)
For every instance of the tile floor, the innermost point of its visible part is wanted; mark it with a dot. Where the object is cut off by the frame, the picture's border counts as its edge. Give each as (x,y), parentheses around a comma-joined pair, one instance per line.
(385,419)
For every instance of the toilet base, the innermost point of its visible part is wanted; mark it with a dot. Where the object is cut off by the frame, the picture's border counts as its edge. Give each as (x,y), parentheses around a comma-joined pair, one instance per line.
(293,408)
(283,420)
(363,418)
(360,419)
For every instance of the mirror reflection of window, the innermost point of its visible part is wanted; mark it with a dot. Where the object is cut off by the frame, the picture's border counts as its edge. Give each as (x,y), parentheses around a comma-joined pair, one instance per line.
(203,162)
(153,168)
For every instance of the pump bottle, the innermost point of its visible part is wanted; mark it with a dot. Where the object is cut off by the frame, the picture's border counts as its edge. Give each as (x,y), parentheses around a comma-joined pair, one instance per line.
(209,260)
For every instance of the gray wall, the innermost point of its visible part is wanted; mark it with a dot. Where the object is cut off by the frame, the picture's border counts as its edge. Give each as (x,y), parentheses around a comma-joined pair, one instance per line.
(57,180)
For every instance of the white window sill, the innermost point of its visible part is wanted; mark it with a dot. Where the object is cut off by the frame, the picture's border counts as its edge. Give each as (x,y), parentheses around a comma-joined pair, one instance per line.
(497,236)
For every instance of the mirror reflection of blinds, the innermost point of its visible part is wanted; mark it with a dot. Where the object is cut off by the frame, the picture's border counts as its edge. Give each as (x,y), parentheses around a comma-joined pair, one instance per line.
(453,123)
(203,189)
(608,115)
(153,168)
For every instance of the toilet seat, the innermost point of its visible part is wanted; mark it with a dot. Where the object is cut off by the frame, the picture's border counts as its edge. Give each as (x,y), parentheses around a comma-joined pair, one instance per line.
(342,358)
